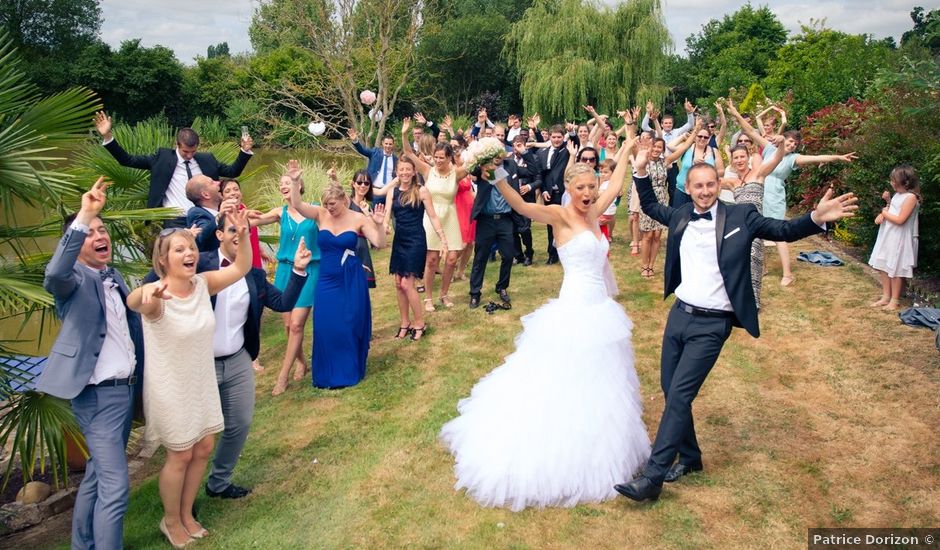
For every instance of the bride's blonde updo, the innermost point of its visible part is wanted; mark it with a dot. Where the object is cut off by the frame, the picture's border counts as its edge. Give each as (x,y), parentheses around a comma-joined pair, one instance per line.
(578,169)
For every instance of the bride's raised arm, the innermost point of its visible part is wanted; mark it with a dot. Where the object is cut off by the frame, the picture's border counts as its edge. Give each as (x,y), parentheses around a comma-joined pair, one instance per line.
(615,187)
(541,213)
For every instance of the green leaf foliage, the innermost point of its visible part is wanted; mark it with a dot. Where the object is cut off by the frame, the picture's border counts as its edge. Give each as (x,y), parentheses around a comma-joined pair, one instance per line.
(570,53)
(732,52)
(822,66)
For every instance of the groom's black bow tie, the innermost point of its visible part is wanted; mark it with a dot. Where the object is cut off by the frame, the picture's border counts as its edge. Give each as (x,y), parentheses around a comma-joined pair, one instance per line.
(107,273)
(695,216)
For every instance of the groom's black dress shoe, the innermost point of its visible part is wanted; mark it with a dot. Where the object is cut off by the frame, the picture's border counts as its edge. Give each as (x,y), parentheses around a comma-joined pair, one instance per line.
(678,470)
(639,489)
(232,491)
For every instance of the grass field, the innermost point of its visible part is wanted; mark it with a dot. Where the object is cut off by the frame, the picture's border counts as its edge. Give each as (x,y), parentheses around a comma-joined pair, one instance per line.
(829,419)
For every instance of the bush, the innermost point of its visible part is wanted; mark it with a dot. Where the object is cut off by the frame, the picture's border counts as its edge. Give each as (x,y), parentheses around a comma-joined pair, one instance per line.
(897,124)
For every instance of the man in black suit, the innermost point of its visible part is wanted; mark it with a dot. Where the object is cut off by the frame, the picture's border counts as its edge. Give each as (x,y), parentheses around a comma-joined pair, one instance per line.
(528,178)
(552,163)
(494,225)
(710,242)
(236,344)
(170,169)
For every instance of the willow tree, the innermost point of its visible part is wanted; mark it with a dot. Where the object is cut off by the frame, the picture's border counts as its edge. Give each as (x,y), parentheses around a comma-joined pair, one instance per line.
(570,53)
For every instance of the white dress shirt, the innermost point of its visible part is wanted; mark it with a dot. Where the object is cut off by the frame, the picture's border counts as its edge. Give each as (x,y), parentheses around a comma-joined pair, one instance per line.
(175,196)
(702,284)
(385,174)
(231,314)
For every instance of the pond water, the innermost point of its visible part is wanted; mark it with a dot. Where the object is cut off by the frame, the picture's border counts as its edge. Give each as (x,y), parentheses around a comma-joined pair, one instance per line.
(36,335)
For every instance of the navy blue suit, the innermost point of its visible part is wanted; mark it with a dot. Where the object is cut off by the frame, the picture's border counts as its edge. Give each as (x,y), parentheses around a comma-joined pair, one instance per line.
(206,241)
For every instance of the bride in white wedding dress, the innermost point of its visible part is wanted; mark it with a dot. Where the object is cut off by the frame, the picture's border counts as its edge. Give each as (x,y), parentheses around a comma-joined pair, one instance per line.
(560,422)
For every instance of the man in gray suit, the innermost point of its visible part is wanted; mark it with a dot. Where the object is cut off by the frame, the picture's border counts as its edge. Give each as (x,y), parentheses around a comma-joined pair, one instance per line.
(96,362)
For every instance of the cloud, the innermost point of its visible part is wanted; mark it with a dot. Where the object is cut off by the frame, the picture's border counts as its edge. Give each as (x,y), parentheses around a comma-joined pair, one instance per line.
(188,27)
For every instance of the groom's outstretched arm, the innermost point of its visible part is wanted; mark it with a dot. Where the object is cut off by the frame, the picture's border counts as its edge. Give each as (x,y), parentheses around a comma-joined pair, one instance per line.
(648,201)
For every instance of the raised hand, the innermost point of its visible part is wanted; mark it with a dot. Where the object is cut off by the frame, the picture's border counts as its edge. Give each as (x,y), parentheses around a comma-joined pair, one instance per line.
(152,292)
(419,118)
(641,159)
(650,107)
(353,134)
(636,113)
(534,121)
(302,256)
(241,224)
(448,121)
(689,108)
(831,209)
(589,109)
(93,200)
(331,173)
(194,230)
(293,170)
(378,215)
(405,125)
(246,143)
(572,148)
(228,206)
(102,124)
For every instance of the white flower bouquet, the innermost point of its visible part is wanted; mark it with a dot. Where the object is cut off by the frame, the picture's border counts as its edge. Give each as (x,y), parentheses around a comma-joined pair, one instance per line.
(481,152)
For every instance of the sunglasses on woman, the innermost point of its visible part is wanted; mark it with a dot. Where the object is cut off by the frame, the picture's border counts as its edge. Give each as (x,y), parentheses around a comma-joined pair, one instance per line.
(362,182)
(588,159)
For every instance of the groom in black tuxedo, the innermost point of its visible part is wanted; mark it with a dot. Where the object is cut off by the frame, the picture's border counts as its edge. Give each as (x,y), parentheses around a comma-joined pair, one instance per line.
(711,243)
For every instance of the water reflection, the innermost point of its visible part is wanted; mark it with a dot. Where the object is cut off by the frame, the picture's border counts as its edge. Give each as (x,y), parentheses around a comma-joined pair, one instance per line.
(37,334)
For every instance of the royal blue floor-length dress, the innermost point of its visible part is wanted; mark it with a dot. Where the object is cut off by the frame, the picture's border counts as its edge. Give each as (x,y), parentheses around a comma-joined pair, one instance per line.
(342,320)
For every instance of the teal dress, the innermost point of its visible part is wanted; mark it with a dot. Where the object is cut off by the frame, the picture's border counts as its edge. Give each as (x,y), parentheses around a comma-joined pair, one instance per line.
(291,232)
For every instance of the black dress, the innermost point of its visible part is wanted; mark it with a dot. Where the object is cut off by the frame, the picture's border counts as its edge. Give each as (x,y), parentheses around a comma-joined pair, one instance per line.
(362,250)
(409,247)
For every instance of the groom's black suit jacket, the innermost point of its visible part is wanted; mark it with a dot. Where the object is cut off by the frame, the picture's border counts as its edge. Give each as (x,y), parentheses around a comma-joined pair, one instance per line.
(736,225)
(162,164)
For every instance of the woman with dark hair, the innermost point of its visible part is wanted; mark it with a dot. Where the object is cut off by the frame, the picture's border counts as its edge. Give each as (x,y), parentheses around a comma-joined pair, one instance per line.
(746,180)
(651,231)
(698,153)
(775,194)
(360,193)
(441,181)
(408,203)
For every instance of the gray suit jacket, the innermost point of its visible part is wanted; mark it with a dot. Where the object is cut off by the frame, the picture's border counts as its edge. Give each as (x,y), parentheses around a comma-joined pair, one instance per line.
(80,305)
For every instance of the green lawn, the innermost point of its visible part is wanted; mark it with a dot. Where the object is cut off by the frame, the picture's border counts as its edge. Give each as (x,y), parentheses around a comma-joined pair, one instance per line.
(828,419)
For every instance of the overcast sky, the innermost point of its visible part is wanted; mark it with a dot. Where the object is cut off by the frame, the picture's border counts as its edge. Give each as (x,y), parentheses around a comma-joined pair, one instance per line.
(188,27)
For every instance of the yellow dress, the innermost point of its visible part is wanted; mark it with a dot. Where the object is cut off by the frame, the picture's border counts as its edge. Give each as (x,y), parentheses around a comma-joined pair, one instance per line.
(443,189)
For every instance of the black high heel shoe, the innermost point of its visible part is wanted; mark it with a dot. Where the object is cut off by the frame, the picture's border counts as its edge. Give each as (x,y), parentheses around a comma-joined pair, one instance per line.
(403,332)
(423,330)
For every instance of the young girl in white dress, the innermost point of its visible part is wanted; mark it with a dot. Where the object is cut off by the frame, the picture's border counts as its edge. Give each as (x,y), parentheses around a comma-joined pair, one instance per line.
(895,251)
(560,421)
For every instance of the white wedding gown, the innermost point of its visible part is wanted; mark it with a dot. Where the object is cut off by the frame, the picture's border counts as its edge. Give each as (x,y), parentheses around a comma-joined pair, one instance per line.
(560,422)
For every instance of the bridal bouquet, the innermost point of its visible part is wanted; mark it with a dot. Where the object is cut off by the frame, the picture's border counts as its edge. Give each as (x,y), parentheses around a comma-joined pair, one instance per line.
(482,151)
